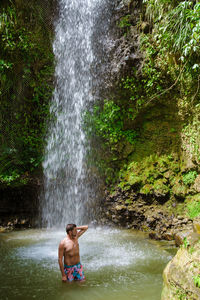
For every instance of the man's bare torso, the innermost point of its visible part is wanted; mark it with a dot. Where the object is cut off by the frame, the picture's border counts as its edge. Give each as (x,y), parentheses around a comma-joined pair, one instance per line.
(71,251)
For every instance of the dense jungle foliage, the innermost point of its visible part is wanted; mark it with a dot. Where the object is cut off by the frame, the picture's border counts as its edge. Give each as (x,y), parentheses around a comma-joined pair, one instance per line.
(171,52)
(26,84)
(157,103)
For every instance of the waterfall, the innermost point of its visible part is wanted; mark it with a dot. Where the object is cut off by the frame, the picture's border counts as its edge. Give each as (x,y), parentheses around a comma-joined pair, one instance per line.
(67,192)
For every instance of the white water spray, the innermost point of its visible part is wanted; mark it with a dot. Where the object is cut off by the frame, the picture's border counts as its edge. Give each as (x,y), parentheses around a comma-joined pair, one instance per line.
(67,192)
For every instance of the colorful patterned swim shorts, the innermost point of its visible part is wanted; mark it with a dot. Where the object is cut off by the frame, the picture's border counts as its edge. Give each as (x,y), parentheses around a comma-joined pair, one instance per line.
(74,272)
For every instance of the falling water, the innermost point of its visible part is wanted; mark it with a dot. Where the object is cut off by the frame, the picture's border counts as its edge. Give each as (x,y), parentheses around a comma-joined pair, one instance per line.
(67,193)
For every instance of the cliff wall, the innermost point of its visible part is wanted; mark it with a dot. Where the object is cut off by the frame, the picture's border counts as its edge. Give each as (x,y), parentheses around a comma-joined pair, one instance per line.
(148,125)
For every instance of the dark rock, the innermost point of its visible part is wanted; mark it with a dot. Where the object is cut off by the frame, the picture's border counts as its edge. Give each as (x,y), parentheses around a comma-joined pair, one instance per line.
(169,236)
(154,236)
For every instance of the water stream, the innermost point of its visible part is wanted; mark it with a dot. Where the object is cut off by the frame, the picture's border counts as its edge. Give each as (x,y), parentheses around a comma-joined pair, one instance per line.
(118,265)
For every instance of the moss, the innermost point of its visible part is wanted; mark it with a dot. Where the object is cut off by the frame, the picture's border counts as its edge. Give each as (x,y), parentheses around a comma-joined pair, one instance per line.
(179,190)
(160,187)
(147,189)
(175,208)
(134,179)
(129,201)
(159,177)
(193,205)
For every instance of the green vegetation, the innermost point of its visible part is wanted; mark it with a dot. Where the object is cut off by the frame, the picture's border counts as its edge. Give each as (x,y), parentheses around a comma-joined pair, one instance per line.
(125,22)
(189,178)
(191,250)
(185,243)
(193,209)
(197,280)
(174,43)
(108,123)
(181,295)
(26,69)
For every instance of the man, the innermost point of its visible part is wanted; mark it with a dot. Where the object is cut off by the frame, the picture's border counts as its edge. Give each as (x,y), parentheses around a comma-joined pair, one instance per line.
(69,249)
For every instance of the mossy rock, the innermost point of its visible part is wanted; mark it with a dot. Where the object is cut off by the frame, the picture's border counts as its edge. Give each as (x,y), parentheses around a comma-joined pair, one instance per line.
(169,175)
(128,149)
(147,189)
(180,191)
(160,188)
(134,179)
(181,273)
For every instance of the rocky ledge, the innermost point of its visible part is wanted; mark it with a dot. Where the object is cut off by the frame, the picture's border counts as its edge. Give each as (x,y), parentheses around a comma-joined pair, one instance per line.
(142,214)
(16,222)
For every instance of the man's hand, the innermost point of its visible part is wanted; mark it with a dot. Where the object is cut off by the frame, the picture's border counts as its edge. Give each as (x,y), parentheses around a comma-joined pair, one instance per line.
(64,278)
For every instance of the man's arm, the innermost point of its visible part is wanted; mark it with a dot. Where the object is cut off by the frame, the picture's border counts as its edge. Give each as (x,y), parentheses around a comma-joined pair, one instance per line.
(60,260)
(81,230)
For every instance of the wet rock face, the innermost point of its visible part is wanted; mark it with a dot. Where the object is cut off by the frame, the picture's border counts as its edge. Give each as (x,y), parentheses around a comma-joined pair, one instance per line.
(122,44)
(132,210)
(181,275)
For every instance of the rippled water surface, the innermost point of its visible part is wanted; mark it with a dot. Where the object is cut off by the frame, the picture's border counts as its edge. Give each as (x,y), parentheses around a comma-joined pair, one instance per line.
(118,264)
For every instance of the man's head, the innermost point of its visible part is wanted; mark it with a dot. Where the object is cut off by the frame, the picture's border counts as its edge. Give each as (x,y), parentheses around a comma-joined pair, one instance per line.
(71,230)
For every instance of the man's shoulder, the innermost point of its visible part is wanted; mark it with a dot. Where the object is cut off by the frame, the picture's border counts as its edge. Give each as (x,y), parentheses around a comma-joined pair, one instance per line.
(65,241)
(62,242)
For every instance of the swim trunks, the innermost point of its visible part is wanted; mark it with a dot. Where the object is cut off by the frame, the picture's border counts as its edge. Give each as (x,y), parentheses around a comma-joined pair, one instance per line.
(74,272)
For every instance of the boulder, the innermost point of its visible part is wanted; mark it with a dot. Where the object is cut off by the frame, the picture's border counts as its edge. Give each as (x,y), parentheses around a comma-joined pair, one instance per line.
(181,275)
(179,191)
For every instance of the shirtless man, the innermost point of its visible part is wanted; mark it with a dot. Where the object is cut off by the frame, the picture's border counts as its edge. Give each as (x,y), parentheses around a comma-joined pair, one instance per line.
(69,249)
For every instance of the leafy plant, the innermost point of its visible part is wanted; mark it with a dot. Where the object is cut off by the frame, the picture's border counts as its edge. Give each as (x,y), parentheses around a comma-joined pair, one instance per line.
(181,294)
(108,123)
(189,178)
(125,22)
(185,243)
(156,9)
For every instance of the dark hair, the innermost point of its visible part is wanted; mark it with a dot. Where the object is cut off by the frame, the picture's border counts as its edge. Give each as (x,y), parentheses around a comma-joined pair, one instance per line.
(70,227)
